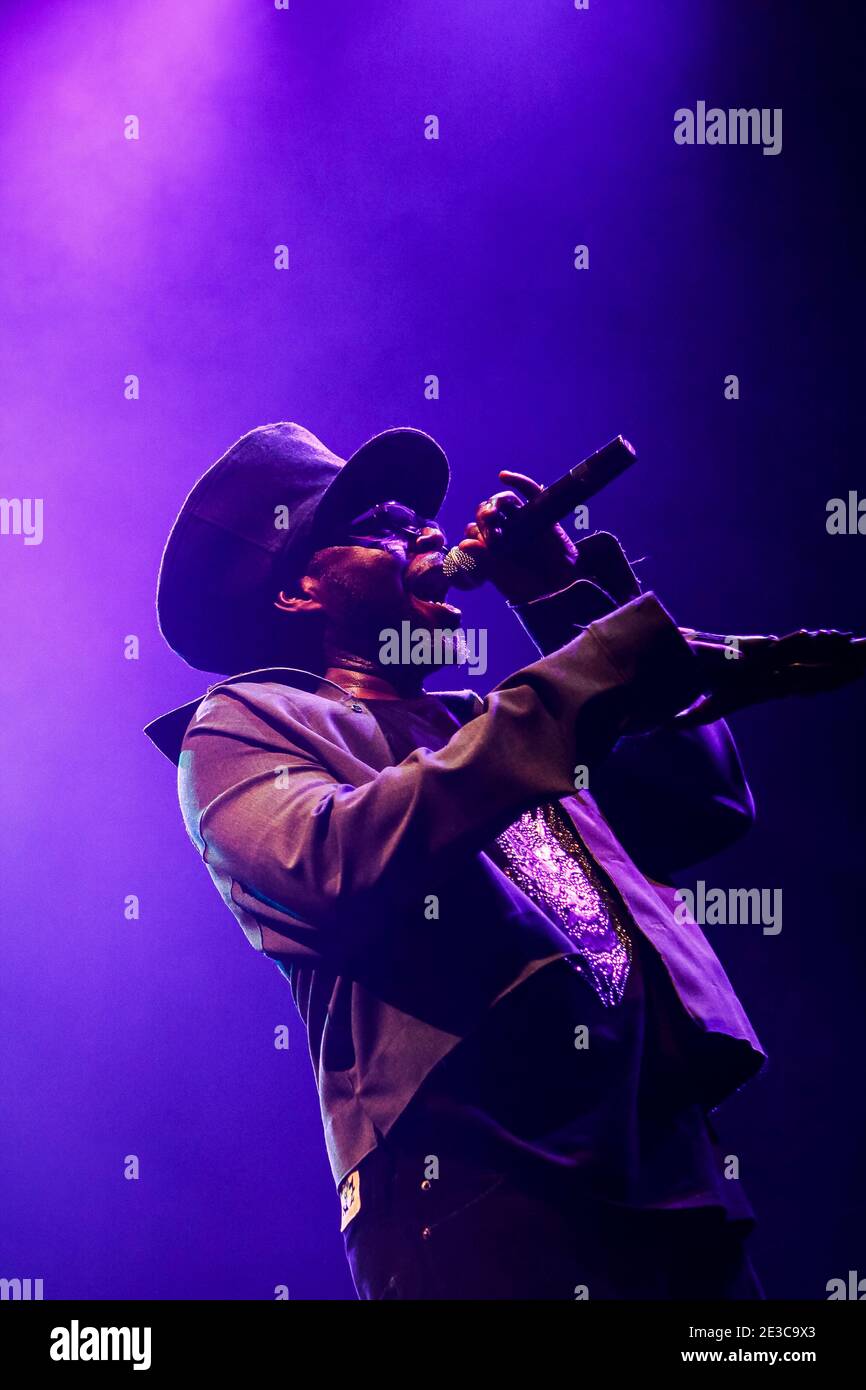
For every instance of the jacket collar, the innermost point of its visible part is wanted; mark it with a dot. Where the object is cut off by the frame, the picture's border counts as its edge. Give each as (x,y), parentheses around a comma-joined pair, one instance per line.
(168,730)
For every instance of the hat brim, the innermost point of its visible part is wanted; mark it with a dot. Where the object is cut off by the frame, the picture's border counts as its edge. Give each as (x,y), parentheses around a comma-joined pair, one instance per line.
(398,465)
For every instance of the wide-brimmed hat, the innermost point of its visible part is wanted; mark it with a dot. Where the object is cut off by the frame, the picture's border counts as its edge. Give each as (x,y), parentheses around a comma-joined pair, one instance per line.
(251,523)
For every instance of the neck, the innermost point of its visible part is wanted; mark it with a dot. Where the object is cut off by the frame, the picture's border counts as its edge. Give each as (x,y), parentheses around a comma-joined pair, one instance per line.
(365,678)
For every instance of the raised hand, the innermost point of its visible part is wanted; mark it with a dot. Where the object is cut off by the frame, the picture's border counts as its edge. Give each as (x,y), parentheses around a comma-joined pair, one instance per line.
(771,668)
(541,566)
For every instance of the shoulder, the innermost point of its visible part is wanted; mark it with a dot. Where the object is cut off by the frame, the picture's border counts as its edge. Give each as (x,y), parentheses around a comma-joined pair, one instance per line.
(245,704)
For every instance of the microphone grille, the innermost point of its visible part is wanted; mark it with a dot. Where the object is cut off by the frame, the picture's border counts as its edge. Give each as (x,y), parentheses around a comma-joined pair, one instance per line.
(457,560)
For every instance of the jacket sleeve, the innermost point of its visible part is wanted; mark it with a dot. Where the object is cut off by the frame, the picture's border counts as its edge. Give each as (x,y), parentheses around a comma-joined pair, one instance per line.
(332,861)
(672,796)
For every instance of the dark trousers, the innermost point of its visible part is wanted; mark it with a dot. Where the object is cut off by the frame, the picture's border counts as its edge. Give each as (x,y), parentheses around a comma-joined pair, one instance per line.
(473,1234)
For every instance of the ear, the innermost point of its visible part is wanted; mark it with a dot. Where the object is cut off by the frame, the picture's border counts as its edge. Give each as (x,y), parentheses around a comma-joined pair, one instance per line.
(287,603)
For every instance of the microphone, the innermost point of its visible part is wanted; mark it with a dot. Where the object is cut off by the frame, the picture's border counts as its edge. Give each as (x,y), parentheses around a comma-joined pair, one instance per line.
(550,505)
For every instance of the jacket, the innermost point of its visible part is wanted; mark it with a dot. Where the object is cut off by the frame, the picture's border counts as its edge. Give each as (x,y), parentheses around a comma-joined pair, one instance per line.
(330,857)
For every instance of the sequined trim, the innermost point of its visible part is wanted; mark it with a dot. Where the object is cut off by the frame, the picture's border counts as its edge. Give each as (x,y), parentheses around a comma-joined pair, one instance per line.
(545,857)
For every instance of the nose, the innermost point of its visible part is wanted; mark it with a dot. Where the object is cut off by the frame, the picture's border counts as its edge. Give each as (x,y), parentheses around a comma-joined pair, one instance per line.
(431,537)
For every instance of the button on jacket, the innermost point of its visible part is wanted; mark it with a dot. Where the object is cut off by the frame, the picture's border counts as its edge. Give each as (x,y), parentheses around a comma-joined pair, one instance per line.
(330,856)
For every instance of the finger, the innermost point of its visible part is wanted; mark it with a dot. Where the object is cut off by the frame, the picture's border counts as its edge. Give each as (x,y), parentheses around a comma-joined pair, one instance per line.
(525,485)
(823,639)
(506,502)
(501,502)
(491,514)
(484,511)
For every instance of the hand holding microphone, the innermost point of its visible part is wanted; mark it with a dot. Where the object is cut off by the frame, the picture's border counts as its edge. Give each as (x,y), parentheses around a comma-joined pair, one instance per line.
(520,574)
(515,541)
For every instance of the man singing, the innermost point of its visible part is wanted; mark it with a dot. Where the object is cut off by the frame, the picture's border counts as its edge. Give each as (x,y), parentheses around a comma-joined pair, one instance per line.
(516,1039)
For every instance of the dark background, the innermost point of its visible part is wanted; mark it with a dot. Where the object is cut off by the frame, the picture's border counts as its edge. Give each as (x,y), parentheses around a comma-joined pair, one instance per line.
(155,1037)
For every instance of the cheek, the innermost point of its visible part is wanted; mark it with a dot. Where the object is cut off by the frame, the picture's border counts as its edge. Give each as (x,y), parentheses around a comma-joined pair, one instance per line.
(374,580)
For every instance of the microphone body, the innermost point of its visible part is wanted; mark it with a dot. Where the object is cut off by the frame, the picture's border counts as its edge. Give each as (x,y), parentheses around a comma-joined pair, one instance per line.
(551,505)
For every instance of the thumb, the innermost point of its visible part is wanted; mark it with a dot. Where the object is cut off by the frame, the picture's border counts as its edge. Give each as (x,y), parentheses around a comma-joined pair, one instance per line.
(527,487)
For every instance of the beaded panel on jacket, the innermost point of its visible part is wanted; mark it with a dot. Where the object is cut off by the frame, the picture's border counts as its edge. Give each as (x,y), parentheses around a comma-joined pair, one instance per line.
(543,854)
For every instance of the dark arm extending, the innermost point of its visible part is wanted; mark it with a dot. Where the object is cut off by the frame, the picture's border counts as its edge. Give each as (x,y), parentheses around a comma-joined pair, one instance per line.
(673,796)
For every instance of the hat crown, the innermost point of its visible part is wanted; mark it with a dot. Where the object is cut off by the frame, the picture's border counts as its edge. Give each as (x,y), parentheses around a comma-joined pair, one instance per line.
(267,484)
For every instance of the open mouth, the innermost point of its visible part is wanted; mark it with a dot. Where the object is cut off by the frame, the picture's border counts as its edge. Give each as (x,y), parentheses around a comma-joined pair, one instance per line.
(427,589)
